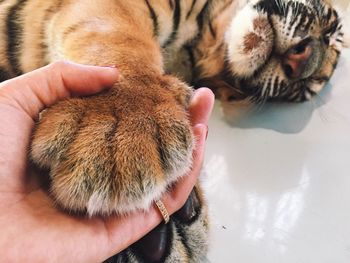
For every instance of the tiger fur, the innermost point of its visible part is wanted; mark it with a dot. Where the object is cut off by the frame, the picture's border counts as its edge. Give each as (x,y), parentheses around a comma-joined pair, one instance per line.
(119,151)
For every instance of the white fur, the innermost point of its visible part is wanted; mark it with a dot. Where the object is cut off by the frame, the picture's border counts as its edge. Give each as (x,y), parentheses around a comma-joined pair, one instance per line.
(316,87)
(100,203)
(241,63)
(97,202)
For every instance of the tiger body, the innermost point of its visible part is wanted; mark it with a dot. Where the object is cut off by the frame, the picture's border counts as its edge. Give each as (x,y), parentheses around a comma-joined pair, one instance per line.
(37,37)
(119,151)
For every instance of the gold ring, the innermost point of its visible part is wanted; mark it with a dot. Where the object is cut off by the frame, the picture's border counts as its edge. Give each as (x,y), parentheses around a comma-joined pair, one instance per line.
(163,211)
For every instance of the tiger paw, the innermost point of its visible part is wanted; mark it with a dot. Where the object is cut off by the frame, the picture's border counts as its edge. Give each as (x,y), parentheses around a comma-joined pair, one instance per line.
(117,151)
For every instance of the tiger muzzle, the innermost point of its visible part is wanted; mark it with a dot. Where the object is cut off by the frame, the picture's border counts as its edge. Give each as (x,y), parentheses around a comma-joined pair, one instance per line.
(302,60)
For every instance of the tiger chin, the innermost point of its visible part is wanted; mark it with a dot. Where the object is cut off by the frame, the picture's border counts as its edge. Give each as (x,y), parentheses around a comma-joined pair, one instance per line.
(120,150)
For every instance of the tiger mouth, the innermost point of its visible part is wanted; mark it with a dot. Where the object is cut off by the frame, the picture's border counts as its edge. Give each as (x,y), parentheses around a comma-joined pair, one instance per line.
(258,94)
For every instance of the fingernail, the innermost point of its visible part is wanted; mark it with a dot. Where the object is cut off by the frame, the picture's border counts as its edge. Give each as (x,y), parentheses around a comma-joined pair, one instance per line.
(114,68)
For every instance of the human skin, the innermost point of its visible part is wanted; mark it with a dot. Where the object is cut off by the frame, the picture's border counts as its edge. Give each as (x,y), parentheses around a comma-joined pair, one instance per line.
(32,228)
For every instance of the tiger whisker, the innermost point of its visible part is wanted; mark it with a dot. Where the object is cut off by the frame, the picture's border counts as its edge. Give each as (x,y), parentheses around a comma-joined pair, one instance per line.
(262,99)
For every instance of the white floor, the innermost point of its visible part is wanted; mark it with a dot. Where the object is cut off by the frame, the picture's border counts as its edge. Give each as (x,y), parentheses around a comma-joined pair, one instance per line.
(278,182)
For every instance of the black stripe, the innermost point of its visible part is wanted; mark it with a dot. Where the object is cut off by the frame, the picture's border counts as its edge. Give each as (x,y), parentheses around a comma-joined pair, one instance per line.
(201,16)
(301,12)
(303,15)
(4,74)
(191,9)
(332,28)
(321,79)
(176,22)
(164,154)
(171,4)
(14,34)
(268,87)
(154,19)
(313,93)
(306,18)
(211,29)
(309,22)
(292,96)
(335,14)
(192,60)
(329,14)
(270,7)
(339,40)
(284,88)
(189,50)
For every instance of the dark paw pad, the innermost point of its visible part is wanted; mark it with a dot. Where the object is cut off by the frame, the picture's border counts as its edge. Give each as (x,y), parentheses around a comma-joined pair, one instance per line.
(190,209)
(154,246)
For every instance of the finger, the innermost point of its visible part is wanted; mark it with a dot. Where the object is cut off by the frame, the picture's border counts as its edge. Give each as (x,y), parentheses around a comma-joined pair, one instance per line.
(175,199)
(43,87)
(201,106)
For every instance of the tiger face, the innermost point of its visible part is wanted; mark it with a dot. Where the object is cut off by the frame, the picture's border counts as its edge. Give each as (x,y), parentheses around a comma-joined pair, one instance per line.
(283,49)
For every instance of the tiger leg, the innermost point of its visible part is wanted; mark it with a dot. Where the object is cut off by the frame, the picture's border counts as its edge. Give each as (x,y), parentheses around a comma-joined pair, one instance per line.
(117,151)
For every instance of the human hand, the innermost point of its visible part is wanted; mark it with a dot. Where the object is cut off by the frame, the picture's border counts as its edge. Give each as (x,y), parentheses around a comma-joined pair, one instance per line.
(33,229)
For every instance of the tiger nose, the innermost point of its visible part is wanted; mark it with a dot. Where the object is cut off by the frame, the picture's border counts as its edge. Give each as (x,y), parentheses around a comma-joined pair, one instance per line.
(296,60)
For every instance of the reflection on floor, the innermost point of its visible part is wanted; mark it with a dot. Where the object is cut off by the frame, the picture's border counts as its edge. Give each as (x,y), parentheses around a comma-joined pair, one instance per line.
(278,181)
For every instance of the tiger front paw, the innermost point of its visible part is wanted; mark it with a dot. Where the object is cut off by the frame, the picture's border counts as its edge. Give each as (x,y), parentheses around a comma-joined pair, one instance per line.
(117,151)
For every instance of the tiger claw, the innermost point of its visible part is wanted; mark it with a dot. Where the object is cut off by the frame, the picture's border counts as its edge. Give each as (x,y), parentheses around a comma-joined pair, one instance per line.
(154,246)
(189,209)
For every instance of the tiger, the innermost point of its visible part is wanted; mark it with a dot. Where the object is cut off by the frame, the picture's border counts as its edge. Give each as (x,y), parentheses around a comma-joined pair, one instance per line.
(120,150)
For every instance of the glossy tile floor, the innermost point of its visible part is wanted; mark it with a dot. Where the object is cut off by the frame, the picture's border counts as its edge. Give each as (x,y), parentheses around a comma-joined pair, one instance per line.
(278,182)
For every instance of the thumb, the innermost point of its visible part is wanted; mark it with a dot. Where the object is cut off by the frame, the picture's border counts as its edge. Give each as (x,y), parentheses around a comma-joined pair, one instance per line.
(32,92)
